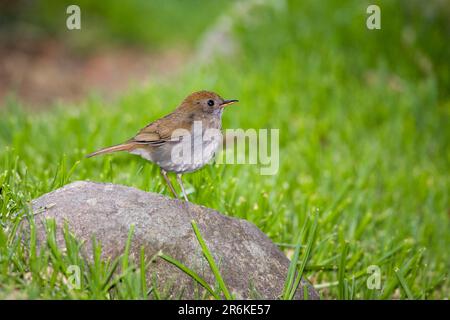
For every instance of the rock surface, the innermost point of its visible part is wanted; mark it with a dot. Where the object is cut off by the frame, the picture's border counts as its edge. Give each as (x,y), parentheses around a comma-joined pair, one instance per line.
(251,265)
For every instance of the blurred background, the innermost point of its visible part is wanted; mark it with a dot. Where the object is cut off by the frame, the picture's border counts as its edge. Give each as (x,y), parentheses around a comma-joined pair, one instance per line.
(363,118)
(120,43)
(133,42)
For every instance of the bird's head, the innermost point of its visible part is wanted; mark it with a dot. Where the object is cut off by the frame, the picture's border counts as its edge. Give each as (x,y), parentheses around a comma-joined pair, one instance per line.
(206,102)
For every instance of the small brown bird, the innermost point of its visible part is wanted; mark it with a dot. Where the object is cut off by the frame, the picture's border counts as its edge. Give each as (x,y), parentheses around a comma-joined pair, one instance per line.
(181,141)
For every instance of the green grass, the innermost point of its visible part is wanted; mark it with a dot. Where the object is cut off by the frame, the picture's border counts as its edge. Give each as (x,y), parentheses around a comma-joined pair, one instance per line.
(364,145)
(295,273)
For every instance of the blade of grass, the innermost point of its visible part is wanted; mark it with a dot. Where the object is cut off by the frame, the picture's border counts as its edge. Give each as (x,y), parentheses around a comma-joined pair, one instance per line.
(110,274)
(127,248)
(291,272)
(211,262)
(404,285)
(309,245)
(191,273)
(143,274)
(341,271)
(293,264)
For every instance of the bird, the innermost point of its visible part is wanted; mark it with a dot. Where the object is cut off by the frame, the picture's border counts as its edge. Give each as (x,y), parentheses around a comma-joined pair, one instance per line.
(179,142)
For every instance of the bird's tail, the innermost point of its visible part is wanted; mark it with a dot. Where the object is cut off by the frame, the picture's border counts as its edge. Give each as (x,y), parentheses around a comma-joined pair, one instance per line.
(127,146)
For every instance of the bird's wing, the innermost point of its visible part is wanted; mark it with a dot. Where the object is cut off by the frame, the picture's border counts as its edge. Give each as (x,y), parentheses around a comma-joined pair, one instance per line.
(159,132)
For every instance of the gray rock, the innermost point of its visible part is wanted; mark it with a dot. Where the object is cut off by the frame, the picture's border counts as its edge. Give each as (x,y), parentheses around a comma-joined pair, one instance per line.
(251,265)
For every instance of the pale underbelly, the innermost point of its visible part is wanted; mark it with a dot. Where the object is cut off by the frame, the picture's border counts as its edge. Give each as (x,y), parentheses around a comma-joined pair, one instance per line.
(179,157)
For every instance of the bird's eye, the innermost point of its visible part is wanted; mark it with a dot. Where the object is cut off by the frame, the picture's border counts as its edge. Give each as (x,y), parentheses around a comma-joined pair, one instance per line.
(210,103)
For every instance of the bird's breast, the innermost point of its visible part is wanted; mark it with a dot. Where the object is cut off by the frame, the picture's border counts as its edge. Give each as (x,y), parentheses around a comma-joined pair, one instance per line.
(188,154)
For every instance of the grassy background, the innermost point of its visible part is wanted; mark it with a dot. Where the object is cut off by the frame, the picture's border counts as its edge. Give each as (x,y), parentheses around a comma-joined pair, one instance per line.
(364,144)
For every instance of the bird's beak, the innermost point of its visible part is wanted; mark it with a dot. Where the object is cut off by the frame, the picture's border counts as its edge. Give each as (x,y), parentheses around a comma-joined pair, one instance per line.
(228,102)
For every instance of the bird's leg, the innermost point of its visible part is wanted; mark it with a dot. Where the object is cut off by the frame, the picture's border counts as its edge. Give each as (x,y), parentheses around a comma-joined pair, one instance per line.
(180,182)
(164,174)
